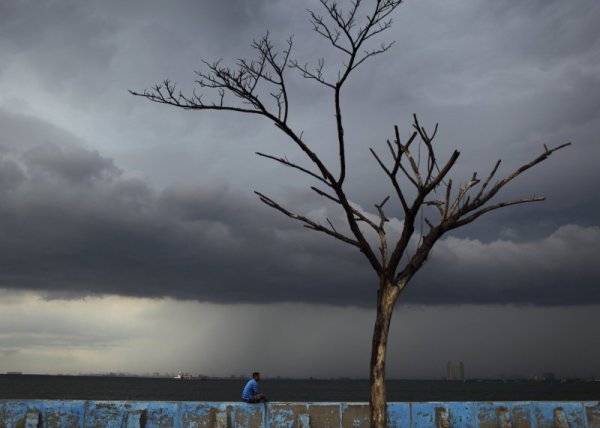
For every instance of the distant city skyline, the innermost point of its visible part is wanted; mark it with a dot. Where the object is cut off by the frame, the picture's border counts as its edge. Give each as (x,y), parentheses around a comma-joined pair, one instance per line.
(534,377)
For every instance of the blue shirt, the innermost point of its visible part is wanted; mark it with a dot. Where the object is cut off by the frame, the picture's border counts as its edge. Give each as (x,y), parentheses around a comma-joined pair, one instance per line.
(250,390)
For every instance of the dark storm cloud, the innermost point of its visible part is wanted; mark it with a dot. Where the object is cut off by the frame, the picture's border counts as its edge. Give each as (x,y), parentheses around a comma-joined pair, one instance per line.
(86,56)
(70,39)
(560,269)
(66,46)
(547,35)
(72,223)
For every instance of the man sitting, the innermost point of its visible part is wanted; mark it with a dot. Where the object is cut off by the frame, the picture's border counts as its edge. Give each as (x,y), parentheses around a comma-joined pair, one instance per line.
(250,393)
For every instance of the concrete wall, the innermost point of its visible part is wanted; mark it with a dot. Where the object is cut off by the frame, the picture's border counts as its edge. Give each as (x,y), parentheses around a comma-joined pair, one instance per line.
(150,414)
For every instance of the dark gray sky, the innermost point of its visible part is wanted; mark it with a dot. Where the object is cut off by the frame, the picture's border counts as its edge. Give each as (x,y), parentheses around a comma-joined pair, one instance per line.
(108,200)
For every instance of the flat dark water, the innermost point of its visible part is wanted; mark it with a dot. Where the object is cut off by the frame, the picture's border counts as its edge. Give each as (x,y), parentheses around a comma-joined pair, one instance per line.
(163,389)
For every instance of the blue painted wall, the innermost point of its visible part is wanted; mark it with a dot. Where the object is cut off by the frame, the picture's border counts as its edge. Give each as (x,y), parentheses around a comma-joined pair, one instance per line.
(150,414)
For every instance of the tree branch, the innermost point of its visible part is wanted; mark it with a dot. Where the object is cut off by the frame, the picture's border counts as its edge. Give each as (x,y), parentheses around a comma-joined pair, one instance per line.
(307,222)
(547,153)
(458,215)
(489,208)
(287,163)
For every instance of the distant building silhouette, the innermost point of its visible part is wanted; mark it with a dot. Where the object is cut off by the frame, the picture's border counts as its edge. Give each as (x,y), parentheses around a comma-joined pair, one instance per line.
(455,371)
(548,376)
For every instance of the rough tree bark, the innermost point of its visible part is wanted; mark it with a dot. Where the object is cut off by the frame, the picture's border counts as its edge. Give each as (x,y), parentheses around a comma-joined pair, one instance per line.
(259,87)
(386,299)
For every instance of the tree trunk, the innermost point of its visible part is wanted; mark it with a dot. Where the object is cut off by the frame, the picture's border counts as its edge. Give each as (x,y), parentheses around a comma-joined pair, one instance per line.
(386,298)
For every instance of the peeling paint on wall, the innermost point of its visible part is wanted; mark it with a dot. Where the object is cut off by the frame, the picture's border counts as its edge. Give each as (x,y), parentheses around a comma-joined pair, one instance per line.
(156,414)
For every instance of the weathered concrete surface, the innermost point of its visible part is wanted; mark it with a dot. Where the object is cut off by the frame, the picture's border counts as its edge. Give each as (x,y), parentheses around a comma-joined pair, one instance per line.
(151,414)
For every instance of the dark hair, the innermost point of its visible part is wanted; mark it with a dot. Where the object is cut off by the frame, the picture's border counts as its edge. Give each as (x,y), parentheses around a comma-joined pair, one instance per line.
(255,374)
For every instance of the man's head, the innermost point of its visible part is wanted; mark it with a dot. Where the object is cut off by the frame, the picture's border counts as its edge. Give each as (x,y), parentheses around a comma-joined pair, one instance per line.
(256,376)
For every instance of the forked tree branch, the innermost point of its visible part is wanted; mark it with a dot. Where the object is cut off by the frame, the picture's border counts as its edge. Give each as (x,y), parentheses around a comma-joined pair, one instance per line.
(461,210)
(247,83)
(344,27)
(479,213)
(494,190)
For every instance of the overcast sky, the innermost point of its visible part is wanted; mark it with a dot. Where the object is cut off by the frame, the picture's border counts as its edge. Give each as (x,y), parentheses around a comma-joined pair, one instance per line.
(131,229)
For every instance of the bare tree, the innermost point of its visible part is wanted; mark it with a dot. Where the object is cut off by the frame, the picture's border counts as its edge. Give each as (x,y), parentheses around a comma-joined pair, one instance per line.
(259,87)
